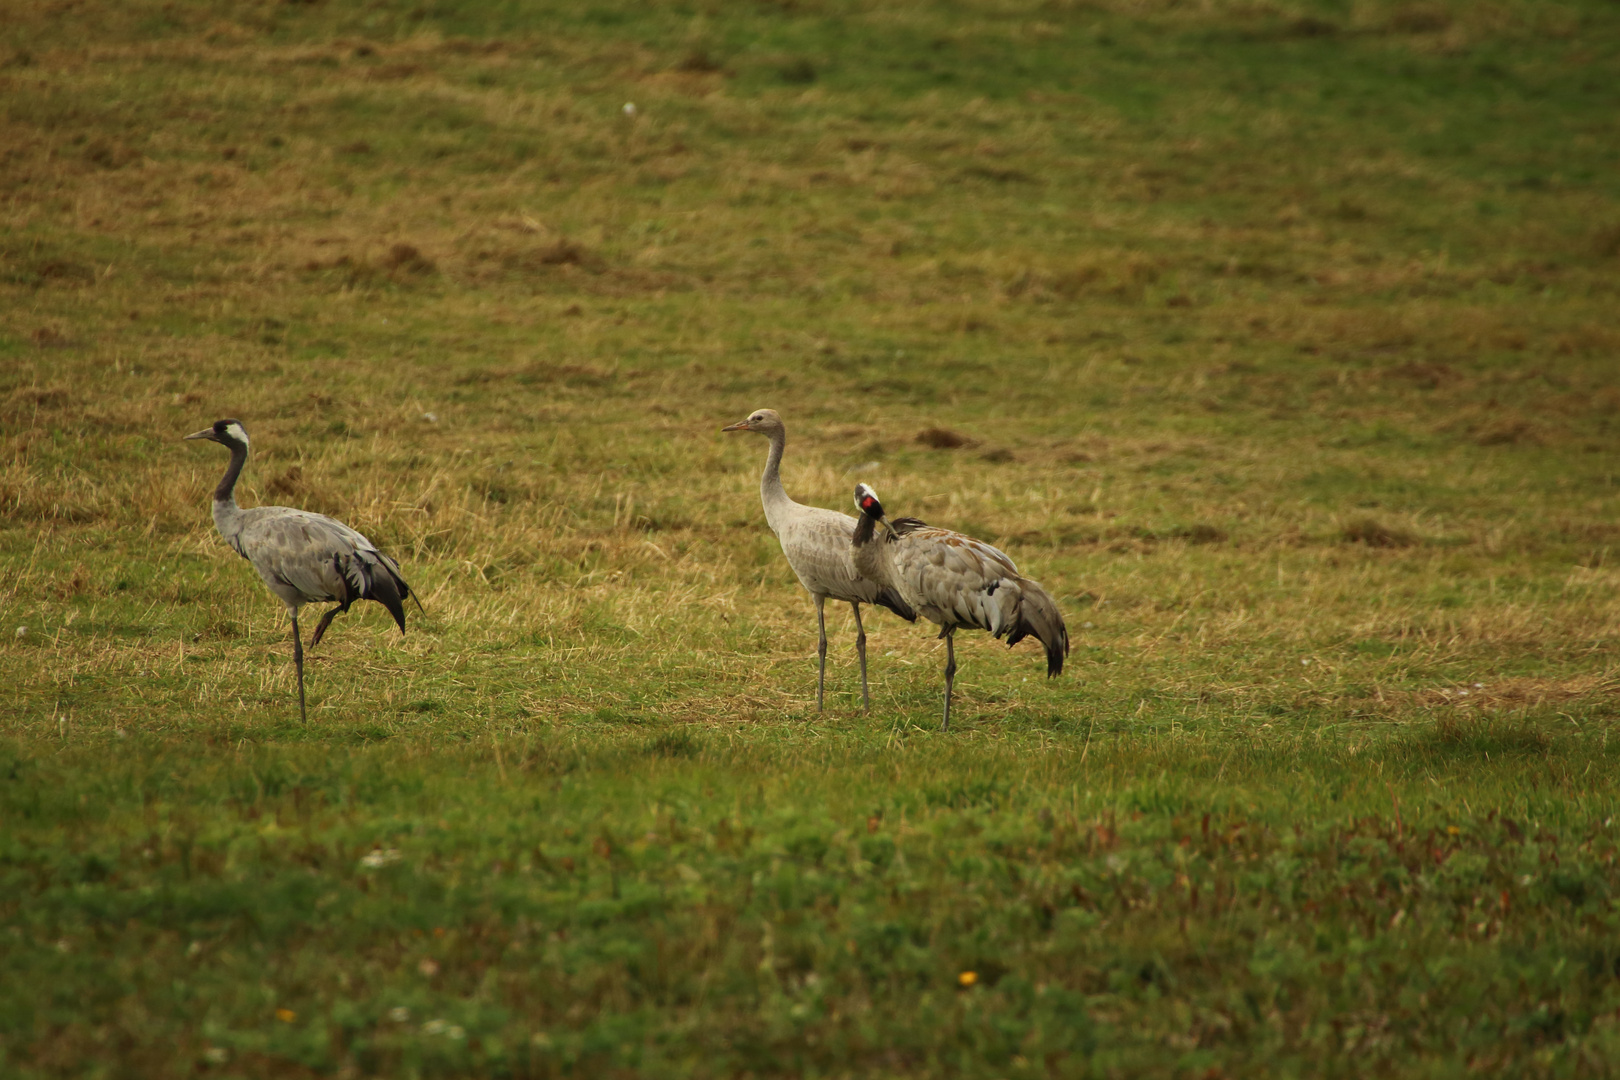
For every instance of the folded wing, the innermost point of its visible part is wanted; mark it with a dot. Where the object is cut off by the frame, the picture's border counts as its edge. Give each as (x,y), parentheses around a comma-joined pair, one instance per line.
(955,580)
(319,558)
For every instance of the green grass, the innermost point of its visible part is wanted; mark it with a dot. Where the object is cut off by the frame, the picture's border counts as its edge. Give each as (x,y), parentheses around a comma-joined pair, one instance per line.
(1279,339)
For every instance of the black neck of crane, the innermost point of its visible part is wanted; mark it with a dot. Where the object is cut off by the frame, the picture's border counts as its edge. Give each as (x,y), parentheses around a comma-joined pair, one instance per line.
(225,492)
(864,530)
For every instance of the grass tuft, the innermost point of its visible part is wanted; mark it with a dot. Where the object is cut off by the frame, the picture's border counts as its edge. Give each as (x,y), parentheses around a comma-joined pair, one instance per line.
(1376,534)
(406,259)
(938,438)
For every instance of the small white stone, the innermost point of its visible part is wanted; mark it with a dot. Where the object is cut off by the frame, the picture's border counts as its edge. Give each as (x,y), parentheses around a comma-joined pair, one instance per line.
(630,109)
(379,858)
(432,418)
(22,632)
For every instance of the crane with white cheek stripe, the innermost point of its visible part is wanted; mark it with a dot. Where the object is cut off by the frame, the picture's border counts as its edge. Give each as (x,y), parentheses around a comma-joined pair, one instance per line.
(304,558)
(954,580)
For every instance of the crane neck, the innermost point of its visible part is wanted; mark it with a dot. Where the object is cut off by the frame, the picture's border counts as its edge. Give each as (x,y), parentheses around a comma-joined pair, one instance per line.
(227,516)
(872,555)
(865,531)
(226,491)
(771,492)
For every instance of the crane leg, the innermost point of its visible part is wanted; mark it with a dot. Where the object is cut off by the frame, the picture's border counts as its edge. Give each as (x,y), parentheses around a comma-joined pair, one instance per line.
(298,663)
(821,674)
(950,672)
(320,627)
(860,650)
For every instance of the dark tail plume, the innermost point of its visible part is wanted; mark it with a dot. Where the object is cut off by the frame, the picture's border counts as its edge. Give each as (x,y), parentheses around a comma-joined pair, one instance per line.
(385,585)
(1038,614)
(896,603)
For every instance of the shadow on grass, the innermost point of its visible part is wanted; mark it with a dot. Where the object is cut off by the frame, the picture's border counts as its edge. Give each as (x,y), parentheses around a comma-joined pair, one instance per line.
(1460,738)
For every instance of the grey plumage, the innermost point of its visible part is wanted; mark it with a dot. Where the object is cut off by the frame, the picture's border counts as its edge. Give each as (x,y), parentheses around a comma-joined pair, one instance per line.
(954,580)
(816,542)
(307,558)
(303,558)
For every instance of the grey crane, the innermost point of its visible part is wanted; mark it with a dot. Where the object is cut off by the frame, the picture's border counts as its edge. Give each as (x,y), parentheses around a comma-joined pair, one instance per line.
(304,558)
(817,545)
(954,580)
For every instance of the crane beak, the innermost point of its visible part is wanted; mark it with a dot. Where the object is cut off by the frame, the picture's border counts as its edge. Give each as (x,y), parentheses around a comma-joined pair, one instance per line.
(741,425)
(205,433)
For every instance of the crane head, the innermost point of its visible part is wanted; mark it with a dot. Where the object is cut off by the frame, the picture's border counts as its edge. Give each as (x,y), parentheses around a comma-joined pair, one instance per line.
(866,501)
(229,433)
(762,420)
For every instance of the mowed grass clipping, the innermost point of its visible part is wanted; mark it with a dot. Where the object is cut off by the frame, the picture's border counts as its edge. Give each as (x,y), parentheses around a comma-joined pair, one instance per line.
(1276,339)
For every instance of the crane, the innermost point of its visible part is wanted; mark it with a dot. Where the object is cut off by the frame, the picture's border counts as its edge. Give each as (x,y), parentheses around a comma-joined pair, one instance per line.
(954,580)
(304,558)
(816,542)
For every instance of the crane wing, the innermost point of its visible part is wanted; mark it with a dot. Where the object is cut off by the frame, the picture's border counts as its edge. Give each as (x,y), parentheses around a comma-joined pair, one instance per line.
(955,580)
(970,551)
(320,558)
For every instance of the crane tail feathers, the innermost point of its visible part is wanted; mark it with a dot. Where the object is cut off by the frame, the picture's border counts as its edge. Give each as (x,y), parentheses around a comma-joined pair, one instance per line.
(405,591)
(385,589)
(1038,614)
(384,584)
(896,603)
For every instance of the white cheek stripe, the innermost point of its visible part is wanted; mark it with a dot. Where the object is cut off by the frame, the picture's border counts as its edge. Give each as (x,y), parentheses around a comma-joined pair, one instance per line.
(235,431)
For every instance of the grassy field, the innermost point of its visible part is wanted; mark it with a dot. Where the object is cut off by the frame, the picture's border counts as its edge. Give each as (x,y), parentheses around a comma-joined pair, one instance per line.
(1277,339)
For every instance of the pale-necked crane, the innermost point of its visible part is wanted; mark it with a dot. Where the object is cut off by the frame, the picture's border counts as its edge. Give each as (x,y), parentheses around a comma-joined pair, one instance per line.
(817,545)
(954,580)
(304,558)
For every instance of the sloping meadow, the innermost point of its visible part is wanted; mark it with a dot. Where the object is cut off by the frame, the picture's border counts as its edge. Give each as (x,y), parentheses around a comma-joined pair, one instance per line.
(1276,340)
